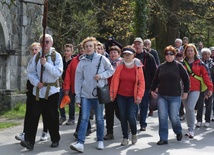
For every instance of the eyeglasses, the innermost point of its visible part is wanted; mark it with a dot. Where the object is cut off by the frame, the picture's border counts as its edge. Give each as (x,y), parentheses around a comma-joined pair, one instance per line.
(169,53)
(46,42)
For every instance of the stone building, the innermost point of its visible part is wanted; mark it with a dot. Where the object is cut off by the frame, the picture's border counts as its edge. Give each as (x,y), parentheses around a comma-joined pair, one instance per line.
(20,25)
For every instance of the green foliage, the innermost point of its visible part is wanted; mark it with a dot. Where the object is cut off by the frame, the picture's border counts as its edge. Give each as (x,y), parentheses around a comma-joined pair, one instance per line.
(9,118)
(178,18)
(116,19)
(4,125)
(18,112)
(72,21)
(140,18)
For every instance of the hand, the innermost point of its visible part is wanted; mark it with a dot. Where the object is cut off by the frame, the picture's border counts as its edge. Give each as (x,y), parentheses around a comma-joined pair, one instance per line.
(40,85)
(42,60)
(184,96)
(138,101)
(154,94)
(78,105)
(112,99)
(66,92)
(97,77)
(209,94)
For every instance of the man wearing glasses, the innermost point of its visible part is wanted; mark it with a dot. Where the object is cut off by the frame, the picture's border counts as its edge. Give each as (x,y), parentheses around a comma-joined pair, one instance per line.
(46,90)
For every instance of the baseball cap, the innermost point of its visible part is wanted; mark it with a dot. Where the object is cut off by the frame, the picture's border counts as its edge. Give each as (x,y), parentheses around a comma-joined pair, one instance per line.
(138,39)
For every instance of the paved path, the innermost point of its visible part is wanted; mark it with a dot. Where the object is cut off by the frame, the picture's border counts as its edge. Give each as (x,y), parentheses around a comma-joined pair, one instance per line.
(202,144)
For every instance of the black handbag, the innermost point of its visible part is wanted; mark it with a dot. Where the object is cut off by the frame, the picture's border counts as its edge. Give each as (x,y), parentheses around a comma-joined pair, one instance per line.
(103,92)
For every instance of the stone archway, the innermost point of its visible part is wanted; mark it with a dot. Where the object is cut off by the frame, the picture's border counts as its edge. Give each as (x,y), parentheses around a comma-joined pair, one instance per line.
(4,39)
(4,34)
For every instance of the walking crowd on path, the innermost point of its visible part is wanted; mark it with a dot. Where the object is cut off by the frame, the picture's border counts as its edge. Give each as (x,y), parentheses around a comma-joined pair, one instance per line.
(138,83)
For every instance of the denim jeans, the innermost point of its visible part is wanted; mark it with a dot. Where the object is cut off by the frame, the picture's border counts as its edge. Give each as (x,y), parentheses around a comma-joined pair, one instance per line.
(98,109)
(127,109)
(71,105)
(168,106)
(189,105)
(144,108)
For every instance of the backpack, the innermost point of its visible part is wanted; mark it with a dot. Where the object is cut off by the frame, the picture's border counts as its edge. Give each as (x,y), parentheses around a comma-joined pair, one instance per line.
(53,59)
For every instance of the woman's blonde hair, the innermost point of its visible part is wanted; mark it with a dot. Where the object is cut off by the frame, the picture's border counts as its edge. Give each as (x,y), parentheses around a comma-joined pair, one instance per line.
(34,44)
(93,39)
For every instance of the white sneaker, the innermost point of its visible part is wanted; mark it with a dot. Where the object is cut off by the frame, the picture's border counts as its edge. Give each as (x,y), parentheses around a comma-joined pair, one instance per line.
(20,137)
(77,147)
(44,136)
(206,125)
(191,134)
(198,124)
(100,145)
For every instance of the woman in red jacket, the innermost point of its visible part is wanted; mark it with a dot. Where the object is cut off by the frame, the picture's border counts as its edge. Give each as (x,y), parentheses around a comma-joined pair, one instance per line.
(196,68)
(128,86)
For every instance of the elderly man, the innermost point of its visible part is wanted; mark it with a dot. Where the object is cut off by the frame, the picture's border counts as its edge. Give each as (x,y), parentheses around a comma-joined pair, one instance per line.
(178,45)
(46,91)
(147,45)
(149,68)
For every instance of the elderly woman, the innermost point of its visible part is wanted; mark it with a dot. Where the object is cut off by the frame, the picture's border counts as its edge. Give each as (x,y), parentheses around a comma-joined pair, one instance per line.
(112,107)
(128,86)
(86,81)
(206,53)
(167,80)
(196,69)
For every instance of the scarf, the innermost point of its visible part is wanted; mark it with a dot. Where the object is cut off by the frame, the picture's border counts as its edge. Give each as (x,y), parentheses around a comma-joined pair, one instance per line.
(114,62)
(90,56)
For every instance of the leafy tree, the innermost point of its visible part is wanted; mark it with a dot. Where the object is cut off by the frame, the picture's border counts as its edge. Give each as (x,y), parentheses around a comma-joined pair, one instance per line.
(71,21)
(170,19)
(140,12)
(115,18)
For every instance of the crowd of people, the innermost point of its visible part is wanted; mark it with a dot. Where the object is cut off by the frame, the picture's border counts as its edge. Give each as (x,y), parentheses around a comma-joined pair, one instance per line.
(180,86)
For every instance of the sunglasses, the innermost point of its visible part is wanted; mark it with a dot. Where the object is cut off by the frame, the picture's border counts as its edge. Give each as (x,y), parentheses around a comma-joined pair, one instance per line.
(169,53)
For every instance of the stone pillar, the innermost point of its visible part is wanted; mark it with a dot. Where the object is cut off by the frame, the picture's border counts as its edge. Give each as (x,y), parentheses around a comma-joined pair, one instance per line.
(20,26)
(31,29)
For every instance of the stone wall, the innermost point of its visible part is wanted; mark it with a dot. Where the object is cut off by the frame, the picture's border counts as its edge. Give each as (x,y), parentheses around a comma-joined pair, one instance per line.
(20,26)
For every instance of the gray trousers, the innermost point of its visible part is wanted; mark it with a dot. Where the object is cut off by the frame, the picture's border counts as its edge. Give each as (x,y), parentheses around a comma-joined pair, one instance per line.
(189,105)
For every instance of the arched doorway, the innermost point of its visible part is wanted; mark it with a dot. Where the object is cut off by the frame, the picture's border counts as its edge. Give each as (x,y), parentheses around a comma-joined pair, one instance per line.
(4,39)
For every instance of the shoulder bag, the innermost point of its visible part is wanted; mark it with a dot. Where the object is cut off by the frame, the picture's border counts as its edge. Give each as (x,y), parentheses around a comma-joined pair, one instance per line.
(103,92)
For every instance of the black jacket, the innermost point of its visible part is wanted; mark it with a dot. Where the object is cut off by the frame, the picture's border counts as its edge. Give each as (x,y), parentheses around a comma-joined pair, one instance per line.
(149,67)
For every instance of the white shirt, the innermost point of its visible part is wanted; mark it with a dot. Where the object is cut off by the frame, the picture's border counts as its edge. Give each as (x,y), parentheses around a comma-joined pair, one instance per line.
(52,72)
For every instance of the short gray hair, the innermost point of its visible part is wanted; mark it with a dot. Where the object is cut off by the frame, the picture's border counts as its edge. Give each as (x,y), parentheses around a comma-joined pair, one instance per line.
(147,40)
(178,39)
(46,36)
(205,50)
